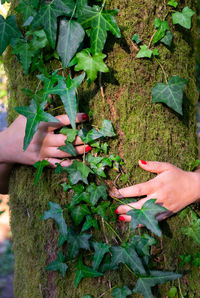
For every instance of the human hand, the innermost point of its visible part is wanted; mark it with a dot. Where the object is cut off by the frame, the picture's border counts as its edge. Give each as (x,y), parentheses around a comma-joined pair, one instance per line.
(172,188)
(44,144)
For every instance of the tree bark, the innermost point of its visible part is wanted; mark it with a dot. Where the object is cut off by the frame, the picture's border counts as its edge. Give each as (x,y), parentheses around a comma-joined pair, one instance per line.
(145,131)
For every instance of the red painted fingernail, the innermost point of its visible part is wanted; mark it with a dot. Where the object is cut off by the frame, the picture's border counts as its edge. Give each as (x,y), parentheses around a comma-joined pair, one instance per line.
(84,117)
(143,162)
(116,211)
(88,148)
(121,218)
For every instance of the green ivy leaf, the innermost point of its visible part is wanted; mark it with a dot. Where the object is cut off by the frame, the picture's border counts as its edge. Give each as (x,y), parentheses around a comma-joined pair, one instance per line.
(79,195)
(67,92)
(121,292)
(146,216)
(171,94)
(100,21)
(23,49)
(193,230)
(100,250)
(76,242)
(101,209)
(38,41)
(84,271)
(58,264)
(127,255)
(34,114)
(173,3)
(167,39)
(78,213)
(26,9)
(144,284)
(39,165)
(8,30)
(56,213)
(78,171)
(69,148)
(89,223)
(70,133)
(91,64)
(106,264)
(136,38)
(183,18)
(107,129)
(47,17)
(144,52)
(66,186)
(97,192)
(161,30)
(71,35)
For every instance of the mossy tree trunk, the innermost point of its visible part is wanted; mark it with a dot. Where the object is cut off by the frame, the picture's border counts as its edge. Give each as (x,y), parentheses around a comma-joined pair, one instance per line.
(145,131)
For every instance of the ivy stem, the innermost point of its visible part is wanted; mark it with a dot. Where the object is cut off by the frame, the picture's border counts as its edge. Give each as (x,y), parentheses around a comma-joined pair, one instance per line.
(165,75)
(151,39)
(179,287)
(122,202)
(73,12)
(107,291)
(102,7)
(56,108)
(116,234)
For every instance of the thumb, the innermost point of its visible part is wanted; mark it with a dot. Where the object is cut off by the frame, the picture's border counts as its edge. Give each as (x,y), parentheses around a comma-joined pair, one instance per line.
(155,166)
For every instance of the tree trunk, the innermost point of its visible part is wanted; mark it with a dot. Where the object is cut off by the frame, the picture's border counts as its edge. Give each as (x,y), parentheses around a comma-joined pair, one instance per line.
(145,131)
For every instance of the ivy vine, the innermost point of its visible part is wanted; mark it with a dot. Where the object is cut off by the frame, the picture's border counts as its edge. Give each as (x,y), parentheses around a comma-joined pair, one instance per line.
(60,29)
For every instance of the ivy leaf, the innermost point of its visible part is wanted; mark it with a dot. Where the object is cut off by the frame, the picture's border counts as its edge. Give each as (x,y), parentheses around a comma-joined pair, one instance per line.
(8,30)
(87,296)
(167,39)
(193,230)
(39,165)
(84,271)
(69,148)
(136,38)
(171,94)
(121,292)
(107,129)
(89,223)
(146,216)
(100,21)
(106,265)
(127,255)
(26,9)
(101,209)
(70,133)
(67,92)
(100,250)
(78,171)
(78,197)
(144,284)
(58,264)
(78,213)
(38,41)
(97,192)
(66,186)
(144,52)
(34,114)
(173,3)
(160,33)
(71,34)
(56,213)
(183,18)
(91,64)
(47,17)
(23,49)
(76,242)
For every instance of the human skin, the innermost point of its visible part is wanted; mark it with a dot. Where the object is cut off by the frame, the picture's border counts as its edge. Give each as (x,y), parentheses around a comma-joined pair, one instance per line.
(172,188)
(44,145)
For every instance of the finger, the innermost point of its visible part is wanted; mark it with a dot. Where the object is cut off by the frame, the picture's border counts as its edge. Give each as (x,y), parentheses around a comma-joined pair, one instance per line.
(164,215)
(64,120)
(55,152)
(155,166)
(122,209)
(125,217)
(54,161)
(137,190)
(57,140)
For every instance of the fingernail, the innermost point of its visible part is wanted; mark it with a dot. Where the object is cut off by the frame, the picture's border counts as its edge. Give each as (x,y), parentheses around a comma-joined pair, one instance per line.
(121,218)
(84,117)
(143,162)
(116,211)
(88,148)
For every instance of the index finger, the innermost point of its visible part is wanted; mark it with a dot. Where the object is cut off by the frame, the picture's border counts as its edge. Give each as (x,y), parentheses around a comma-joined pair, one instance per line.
(137,190)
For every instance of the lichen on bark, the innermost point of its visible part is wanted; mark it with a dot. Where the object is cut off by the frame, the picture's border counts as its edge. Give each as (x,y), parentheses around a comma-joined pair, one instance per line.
(145,131)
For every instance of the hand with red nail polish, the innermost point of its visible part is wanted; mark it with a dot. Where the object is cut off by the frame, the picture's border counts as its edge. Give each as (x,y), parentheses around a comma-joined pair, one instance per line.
(172,188)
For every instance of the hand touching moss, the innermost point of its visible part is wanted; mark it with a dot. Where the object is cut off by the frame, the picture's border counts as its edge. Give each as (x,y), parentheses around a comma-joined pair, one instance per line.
(172,188)
(44,145)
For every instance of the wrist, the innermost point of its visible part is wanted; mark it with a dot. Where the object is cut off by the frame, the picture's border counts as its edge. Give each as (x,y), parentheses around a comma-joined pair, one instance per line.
(196,183)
